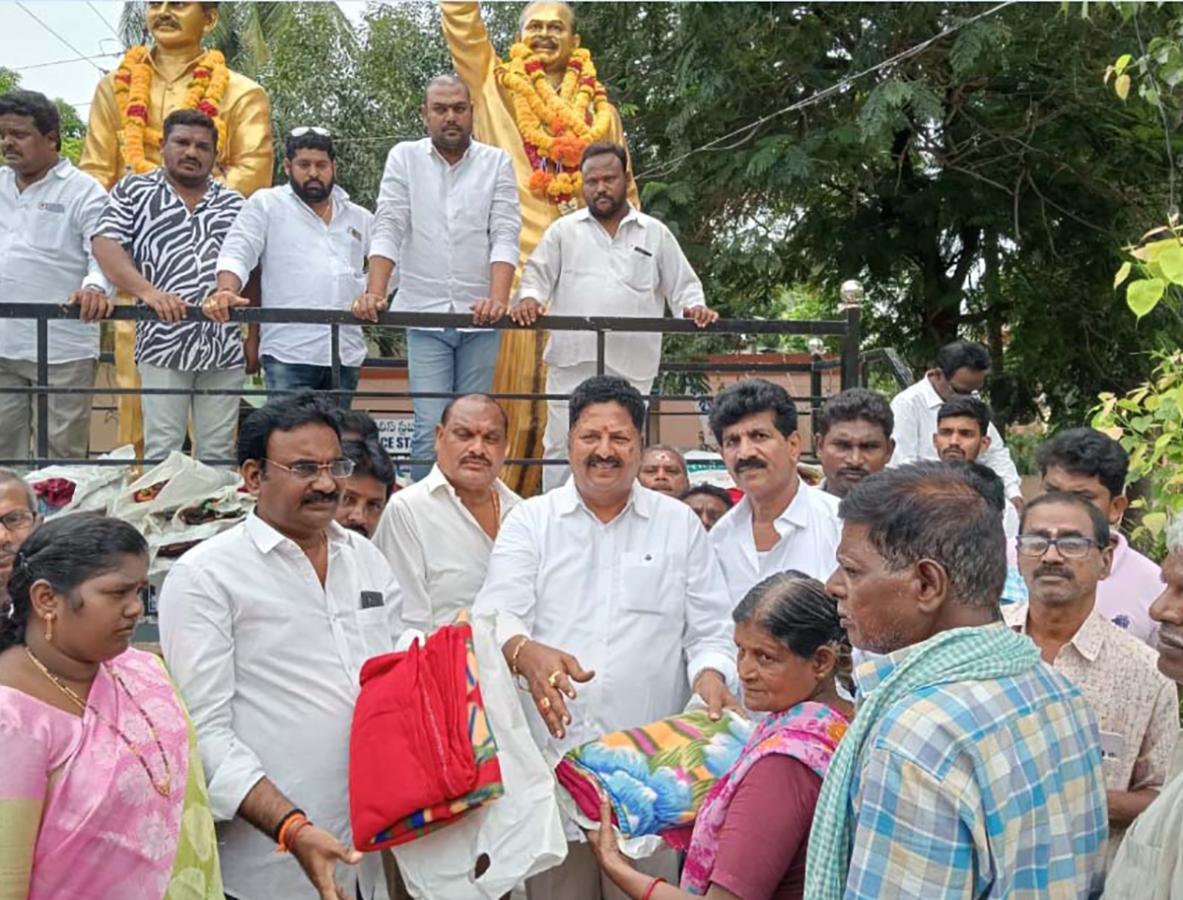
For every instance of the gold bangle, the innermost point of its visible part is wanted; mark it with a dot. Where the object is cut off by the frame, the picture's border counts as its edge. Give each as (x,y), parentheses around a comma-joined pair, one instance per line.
(513,659)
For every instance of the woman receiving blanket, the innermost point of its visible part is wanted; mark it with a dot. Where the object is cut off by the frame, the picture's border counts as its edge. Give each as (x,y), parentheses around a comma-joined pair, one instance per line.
(752,830)
(102,794)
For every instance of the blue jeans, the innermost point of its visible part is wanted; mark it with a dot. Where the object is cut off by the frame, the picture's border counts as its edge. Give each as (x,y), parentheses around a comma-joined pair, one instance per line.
(283,377)
(447,360)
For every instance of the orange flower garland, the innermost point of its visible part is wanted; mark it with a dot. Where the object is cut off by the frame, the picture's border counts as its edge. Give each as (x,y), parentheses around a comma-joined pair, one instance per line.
(133,85)
(556,126)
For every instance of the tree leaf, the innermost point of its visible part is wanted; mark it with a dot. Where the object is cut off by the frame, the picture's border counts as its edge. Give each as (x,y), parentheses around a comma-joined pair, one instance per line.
(1122,274)
(1143,295)
(1171,261)
(1122,62)
(1122,86)
(1154,522)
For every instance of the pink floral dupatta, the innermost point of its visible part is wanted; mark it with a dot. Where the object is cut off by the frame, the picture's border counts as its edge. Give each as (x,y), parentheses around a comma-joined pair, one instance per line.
(808,732)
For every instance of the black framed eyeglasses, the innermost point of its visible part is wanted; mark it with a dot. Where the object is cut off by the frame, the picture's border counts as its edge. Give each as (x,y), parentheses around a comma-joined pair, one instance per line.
(1072,546)
(307,471)
(17,520)
(302,130)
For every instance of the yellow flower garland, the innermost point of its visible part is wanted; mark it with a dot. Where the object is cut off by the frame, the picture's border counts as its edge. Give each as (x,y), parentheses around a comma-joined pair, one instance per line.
(133,85)
(556,126)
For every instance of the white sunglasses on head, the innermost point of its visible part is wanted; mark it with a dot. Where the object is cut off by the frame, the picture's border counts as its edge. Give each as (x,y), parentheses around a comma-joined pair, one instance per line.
(308,129)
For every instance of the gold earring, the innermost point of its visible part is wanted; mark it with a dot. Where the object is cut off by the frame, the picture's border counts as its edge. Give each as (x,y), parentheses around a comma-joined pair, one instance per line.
(49,629)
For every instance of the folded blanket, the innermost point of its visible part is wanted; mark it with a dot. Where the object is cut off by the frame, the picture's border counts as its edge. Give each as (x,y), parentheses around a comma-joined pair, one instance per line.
(421,751)
(655,776)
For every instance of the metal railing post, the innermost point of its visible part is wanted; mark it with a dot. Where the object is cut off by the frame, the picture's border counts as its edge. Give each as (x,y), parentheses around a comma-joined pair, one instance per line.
(43,388)
(817,350)
(852,311)
(600,345)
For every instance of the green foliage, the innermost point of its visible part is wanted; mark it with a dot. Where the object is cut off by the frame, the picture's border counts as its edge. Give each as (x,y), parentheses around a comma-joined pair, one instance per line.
(1149,423)
(8,80)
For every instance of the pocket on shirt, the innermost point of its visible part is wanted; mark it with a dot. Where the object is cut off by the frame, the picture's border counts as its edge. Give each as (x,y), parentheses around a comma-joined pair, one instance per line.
(642,577)
(640,272)
(376,635)
(48,230)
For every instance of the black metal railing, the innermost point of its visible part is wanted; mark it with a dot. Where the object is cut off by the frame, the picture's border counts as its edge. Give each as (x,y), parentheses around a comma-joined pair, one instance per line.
(847,328)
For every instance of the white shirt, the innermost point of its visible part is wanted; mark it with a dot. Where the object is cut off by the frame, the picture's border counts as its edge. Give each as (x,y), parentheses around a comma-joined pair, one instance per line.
(579,270)
(45,256)
(267,661)
(809,530)
(915,410)
(307,264)
(639,600)
(444,225)
(437,549)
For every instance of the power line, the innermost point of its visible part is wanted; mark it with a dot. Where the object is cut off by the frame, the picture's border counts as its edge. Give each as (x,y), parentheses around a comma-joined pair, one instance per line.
(667,167)
(62,62)
(110,27)
(41,22)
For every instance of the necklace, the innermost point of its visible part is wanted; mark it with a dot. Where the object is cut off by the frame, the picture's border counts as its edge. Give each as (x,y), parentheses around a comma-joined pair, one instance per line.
(163,788)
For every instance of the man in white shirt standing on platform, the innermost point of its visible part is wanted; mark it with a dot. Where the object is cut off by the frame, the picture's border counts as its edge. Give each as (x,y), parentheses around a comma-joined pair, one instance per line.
(265,629)
(448,215)
(961,370)
(48,212)
(609,585)
(439,532)
(312,242)
(781,523)
(606,259)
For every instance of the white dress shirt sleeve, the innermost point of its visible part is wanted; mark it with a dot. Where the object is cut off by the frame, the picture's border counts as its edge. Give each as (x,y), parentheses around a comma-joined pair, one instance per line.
(88,213)
(505,216)
(509,592)
(245,241)
(540,274)
(398,540)
(677,282)
(998,458)
(198,644)
(392,214)
(905,432)
(708,636)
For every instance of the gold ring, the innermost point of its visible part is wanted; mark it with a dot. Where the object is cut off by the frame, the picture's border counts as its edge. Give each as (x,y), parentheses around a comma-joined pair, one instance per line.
(553,678)
(544,703)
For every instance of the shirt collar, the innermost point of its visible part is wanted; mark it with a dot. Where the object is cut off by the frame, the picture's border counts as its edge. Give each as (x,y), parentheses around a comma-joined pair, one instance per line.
(1088,640)
(633,215)
(871,673)
(796,514)
(931,397)
(436,480)
(60,169)
(432,152)
(640,500)
(339,196)
(189,66)
(267,538)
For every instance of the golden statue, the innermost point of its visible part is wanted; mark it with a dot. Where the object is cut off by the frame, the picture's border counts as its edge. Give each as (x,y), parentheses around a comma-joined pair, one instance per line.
(519,103)
(124,134)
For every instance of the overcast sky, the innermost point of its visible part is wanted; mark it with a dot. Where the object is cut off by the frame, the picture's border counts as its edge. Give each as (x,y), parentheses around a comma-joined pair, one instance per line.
(83,28)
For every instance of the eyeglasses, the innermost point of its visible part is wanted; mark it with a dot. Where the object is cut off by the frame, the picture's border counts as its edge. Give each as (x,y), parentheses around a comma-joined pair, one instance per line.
(1070,547)
(307,471)
(309,129)
(16,520)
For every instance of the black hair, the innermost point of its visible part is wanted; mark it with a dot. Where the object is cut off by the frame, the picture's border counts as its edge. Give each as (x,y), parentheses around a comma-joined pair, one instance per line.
(605,148)
(309,140)
(753,395)
(192,117)
(46,118)
(356,421)
(796,610)
(608,389)
(370,458)
(710,490)
(1100,523)
(852,405)
(488,399)
(282,414)
(66,552)
(986,480)
(963,355)
(966,408)
(931,510)
(1087,452)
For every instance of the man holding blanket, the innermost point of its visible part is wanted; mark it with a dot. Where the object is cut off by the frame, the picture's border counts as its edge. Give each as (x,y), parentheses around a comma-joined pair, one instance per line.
(606,574)
(971,769)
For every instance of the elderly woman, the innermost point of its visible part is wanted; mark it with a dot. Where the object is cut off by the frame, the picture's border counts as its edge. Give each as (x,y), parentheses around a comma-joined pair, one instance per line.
(752,830)
(101,789)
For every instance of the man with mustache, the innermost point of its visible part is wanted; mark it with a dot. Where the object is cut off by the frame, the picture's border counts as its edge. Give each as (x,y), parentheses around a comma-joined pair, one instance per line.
(663,469)
(18,518)
(607,259)
(438,533)
(605,574)
(1149,864)
(1064,551)
(312,242)
(158,240)
(853,432)
(364,493)
(781,523)
(448,213)
(265,629)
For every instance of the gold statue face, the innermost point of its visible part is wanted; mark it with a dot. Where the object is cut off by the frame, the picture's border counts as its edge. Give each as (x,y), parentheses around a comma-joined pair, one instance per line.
(548,29)
(181,25)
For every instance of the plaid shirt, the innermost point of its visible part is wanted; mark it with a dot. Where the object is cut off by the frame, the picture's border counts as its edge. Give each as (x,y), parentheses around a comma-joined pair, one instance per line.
(979,789)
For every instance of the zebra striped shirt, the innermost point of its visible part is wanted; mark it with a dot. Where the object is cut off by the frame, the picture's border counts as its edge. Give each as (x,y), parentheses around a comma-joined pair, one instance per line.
(177,252)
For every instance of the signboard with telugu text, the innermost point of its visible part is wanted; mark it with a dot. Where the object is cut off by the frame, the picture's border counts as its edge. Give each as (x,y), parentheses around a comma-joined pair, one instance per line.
(395,434)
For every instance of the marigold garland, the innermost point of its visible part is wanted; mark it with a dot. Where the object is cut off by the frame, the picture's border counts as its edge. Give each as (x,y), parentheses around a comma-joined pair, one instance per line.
(556,126)
(133,85)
